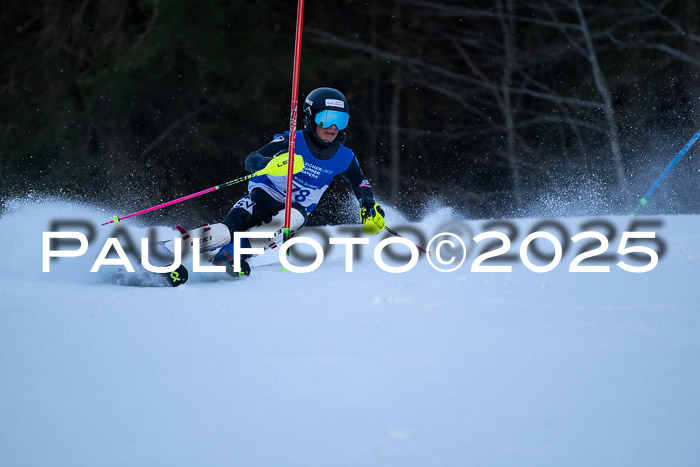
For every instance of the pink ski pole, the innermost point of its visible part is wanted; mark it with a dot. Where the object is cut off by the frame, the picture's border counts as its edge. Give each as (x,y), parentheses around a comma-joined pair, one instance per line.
(115,220)
(396,234)
(276,167)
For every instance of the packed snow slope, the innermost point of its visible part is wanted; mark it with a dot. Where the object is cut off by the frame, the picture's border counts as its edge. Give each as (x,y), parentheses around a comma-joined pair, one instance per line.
(361,368)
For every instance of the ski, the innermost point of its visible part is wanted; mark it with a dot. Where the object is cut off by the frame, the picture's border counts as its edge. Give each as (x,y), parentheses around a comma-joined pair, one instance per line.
(143,278)
(245,270)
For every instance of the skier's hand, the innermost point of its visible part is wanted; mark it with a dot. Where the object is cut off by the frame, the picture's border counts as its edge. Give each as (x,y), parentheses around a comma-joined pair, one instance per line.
(372,216)
(256,161)
(278,165)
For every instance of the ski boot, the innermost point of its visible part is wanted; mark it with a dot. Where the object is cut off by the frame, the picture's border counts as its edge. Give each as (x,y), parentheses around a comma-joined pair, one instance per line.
(224,257)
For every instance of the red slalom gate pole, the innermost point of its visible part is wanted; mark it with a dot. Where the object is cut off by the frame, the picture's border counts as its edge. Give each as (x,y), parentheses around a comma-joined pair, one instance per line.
(293,117)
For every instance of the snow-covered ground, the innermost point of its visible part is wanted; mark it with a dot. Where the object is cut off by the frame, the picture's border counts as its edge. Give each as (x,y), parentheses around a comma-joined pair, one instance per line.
(335,368)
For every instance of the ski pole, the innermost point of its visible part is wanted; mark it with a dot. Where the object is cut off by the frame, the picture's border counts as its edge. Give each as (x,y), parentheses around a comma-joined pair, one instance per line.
(396,234)
(276,167)
(643,202)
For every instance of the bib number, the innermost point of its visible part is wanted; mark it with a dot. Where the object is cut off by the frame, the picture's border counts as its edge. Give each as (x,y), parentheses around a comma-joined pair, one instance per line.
(300,194)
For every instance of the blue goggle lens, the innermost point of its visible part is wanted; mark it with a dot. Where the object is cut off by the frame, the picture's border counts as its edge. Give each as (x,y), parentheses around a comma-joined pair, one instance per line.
(328,118)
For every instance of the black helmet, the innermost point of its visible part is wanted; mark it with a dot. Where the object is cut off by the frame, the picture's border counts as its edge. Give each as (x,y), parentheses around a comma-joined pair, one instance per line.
(326,99)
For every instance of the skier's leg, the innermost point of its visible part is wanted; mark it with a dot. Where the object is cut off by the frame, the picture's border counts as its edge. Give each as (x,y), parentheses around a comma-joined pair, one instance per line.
(246,213)
(262,213)
(252,210)
(210,237)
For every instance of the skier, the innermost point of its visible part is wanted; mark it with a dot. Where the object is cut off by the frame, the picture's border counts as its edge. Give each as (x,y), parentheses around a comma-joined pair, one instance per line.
(326,116)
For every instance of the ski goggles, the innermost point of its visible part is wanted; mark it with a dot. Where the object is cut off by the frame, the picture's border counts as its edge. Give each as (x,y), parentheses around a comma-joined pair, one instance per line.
(328,118)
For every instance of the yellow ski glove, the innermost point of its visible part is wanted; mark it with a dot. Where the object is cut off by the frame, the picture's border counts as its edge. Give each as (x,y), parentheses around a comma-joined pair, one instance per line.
(372,217)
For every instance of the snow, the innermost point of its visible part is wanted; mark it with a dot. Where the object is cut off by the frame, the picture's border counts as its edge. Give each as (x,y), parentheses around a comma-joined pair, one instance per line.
(332,368)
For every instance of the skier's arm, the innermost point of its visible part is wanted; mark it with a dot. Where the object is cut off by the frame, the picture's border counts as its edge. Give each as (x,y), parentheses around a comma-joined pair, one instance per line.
(371,213)
(257,160)
(359,184)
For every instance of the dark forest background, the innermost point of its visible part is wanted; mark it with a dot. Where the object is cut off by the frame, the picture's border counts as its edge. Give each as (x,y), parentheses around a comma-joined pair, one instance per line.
(494,108)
